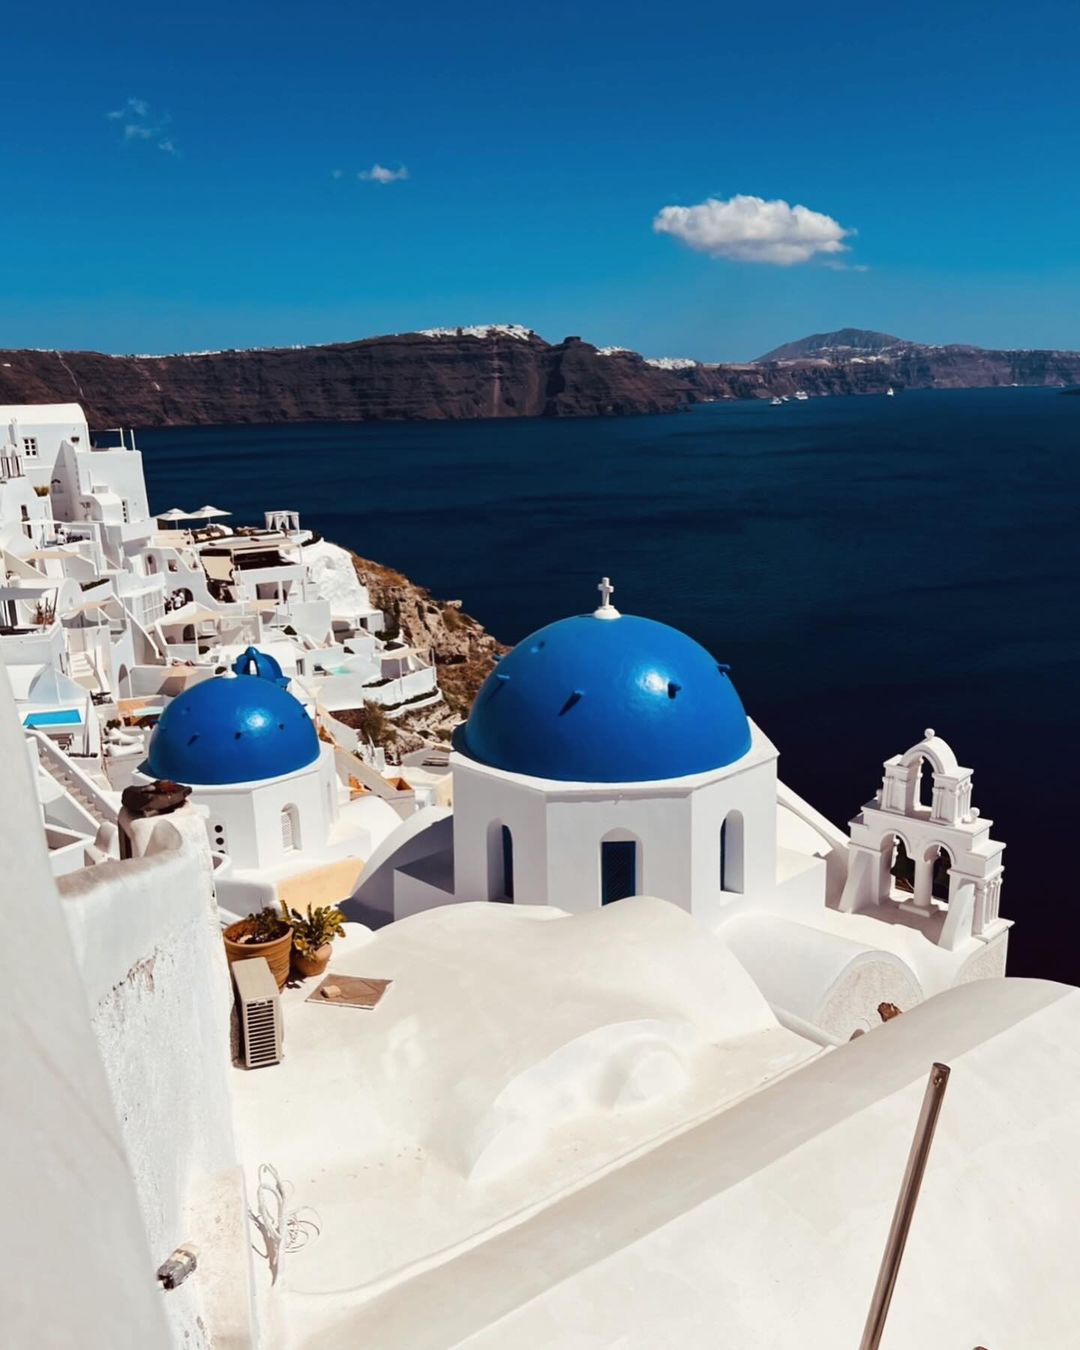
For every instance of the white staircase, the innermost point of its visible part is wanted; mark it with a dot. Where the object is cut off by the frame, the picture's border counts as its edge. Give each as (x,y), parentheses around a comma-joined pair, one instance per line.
(84,672)
(102,806)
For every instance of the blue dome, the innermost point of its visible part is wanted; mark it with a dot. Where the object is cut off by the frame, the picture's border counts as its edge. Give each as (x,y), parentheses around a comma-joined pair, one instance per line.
(619,700)
(251,661)
(232,729)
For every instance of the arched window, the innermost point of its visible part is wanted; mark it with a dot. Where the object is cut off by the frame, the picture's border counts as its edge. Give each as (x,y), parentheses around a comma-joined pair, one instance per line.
(618,869)
(290,828)
(500,847)
(507,843)
(731,853)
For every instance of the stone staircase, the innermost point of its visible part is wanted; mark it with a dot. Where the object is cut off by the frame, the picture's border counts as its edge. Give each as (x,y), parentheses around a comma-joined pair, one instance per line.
(84,672)
(101,806)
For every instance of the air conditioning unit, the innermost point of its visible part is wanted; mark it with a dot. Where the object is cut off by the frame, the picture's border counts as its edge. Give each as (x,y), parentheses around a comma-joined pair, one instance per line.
(261,1033)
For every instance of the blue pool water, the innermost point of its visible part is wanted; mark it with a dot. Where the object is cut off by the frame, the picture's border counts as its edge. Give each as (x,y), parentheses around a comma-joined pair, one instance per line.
(869,567)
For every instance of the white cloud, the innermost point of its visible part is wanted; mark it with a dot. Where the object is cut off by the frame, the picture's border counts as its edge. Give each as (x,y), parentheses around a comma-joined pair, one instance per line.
(750,229)
(138,123)
(379,174)
(337,173)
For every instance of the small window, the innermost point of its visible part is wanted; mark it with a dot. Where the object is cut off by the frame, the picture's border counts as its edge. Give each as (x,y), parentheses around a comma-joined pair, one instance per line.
(290,828)
(29,446)
(125,512)
(618,869)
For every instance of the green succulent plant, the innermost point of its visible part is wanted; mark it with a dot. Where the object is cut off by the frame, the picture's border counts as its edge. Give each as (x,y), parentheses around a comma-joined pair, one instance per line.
(267,924)
(315,929)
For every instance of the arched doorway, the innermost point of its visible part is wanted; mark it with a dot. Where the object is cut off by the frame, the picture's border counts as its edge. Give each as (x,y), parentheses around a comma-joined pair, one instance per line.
(619,865)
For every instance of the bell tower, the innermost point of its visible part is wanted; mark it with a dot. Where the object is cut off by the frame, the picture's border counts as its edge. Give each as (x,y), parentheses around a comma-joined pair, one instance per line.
(954,889)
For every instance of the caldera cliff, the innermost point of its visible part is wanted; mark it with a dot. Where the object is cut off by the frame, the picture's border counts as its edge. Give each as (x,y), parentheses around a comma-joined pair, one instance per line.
(490,371)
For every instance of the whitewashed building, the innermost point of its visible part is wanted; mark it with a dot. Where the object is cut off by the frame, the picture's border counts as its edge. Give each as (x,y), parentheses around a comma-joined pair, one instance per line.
(112,619)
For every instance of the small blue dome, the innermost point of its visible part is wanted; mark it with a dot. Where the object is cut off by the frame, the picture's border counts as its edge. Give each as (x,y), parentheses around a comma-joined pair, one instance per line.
(617,700)
(231,729)
(251,661)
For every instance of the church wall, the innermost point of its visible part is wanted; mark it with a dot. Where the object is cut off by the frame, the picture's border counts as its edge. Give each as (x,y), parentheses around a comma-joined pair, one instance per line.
(751,792)
(251,814)
(576,828)
(483,799)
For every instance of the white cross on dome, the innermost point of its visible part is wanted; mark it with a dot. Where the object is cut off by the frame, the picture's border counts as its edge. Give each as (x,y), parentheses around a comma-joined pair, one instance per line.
(607,610)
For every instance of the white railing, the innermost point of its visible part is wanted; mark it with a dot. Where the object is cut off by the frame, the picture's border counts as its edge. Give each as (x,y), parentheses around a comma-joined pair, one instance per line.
(70,777)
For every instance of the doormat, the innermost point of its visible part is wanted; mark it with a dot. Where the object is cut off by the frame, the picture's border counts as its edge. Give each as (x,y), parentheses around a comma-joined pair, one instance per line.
(349,991)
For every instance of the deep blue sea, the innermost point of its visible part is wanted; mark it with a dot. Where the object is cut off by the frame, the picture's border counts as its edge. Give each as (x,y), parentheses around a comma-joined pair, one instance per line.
(869,567)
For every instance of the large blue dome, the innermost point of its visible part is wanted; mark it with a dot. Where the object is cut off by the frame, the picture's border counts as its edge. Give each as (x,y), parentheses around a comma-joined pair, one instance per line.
(607,700)
(231,729)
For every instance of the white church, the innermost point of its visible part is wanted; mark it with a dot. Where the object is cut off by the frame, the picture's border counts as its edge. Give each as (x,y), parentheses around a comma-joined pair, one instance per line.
(651,1035)
(610,755)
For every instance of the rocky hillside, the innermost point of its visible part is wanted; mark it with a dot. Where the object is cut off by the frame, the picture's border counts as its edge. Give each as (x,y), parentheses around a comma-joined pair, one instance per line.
(842,344)
(861,360)
(464,652)
(491,371)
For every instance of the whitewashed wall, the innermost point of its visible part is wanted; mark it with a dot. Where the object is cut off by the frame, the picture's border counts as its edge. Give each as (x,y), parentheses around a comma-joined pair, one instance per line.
(74,1254)
(148,943)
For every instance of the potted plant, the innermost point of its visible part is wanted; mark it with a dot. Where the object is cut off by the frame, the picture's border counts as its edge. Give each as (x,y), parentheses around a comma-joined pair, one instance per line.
(268,934)
(313,935)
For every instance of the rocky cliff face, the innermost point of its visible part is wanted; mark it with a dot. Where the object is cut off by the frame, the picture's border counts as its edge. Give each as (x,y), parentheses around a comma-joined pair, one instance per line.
(463,651)
(501,373)
(496,371)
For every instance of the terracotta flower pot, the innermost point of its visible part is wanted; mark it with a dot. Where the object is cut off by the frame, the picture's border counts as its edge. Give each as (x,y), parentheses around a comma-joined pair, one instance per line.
(314,964)
(276,951)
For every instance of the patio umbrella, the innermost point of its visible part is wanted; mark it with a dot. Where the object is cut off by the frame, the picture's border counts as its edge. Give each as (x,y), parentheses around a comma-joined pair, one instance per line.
(210,512)
(174,514)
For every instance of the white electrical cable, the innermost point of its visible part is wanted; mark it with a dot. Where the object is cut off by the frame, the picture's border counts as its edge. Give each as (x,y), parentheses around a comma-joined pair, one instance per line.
(281,1229)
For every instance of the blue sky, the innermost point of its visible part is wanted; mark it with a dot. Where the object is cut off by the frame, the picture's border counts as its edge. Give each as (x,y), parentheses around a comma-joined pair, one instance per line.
(540,144)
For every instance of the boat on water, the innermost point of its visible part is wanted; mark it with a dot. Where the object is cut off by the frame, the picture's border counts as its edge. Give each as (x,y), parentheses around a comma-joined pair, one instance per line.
(801,395)
(890,392)
(776,403)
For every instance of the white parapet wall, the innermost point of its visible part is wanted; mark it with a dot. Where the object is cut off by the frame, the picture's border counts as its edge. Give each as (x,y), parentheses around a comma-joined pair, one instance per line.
(148,943)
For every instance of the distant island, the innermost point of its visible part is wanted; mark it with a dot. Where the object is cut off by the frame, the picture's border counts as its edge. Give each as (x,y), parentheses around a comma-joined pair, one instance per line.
(495,370)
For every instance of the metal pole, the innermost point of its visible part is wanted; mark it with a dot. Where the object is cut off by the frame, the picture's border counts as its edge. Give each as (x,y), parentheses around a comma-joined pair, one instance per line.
(905,1207)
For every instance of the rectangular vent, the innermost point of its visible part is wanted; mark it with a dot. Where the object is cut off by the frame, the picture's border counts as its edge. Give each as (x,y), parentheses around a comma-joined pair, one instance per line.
(260,1012)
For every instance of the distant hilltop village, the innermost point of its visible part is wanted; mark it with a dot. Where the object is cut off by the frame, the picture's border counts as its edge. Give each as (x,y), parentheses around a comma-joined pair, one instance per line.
(488,371)
(575,1026)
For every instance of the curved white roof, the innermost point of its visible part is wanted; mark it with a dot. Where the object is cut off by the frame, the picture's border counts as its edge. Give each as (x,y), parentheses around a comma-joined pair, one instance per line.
(42,412)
